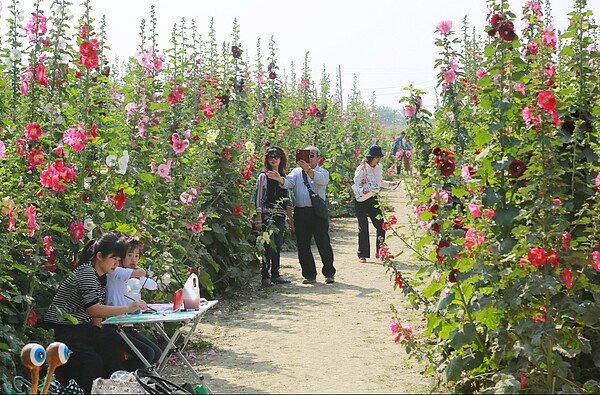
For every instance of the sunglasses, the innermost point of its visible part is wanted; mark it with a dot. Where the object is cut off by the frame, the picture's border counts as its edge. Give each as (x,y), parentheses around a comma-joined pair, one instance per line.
(273,156)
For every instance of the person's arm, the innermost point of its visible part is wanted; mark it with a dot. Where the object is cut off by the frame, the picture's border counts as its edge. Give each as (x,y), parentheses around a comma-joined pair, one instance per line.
(320,176)
(99,310)
(379,178)
(259,199)
(360,172)
(138,272)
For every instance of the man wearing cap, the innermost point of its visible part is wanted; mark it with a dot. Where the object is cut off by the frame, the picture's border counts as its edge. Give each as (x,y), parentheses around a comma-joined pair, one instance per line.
(368,178)
(306,223)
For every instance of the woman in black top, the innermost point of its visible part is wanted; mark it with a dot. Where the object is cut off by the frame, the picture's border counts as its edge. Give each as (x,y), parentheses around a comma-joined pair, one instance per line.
(77,310)
(273,208)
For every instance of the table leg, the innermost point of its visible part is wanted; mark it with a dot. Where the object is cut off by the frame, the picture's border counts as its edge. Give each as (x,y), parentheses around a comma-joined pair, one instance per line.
(171,347)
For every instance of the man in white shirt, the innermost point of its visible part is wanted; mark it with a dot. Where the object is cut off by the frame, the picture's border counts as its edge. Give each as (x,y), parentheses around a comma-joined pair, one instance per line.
(306,223)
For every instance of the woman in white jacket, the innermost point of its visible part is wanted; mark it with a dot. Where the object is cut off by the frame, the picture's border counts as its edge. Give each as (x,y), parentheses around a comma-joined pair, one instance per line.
(368,179)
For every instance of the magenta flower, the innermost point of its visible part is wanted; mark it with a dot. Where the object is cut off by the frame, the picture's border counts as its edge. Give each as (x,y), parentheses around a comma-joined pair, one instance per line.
(32,225)
(595,262)
(33,131)
(2,150)
(77,230)
(40,75)
(598,183)
(474,210)
(36,26)
(549,37)
(566,275)
(47,244)
(409,111)
(444,27)
(75,138)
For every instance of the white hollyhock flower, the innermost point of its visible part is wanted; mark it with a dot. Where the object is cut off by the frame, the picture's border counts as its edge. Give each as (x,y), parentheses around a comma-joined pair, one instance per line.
(123,162)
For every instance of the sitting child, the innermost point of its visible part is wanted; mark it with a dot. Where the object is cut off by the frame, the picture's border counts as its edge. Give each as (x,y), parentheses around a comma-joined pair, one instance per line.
(116,295)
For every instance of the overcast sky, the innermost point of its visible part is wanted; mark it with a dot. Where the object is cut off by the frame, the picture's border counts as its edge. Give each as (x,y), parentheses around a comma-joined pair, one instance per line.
(387,44)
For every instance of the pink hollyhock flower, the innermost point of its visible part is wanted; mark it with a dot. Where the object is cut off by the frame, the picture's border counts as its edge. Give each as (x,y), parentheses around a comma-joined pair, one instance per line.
(532,47)
(598,183)
(59,150)
(179,146)
(449,76)
(489,213)
(519,87)
(549,37)
(384,253)
(20,147)
(595,262)
(35,158)
(33,131)
(40,75)
(409,111)
(474,210)
(47,244)
(32,225)
(75,139)
(444,27)
(407,154)
(391,170)
(187,197)
(11,221)
(399,153)
(2,150)
(540,317)
(556,201)
(36,26)
(537,256)
(566,275)
(442,196)
(164,169)
(24,84)
(77,230)
(480,73)
(547,101)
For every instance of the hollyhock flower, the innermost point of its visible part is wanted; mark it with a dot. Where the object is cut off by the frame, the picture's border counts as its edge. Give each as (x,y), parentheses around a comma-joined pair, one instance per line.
(452,276)
(77,230)
(32,224)
(179,146)
(595,262)
(36,26)
(50,264)
(440,245)
(474,210)
(566,275)
(447,168)
(40,75)
(89,224)
(516,168)
(566,239)
(489,213)
(407,154)
(507,31)
(442,196)
(598,183)
(237,210)
(164,169)
(409,111)
(236,51)
(540,317)
(123,162)
(47,245)
(35,158)
(398,281)
(31,319)
(75,138)
(449,76)
(480,73)
(11,221)
(390,171)
(444,27)
(529,118)
(399,153)
(519,87)
(384,253)
(7,205)
(532,47)
(119,199)
(556,201)
(537,256)
(188,196)
(547,101)
(466,172)
(2,150)
(58,151)
(553,257)
(24,84)
(33,131)
(549,37)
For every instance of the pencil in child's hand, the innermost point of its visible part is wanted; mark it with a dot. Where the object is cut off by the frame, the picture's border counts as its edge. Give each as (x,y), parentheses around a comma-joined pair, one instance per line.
(149,308)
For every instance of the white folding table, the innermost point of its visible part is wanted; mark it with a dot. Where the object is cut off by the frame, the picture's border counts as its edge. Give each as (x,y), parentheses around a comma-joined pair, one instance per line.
(164,313)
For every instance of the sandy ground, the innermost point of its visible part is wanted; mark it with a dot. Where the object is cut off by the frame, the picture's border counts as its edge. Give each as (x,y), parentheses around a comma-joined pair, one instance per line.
(321,338)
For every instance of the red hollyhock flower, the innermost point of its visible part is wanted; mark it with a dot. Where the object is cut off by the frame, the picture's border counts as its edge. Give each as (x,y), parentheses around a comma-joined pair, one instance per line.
(537,256)
(547,101)
(237,210)
(236,51)
(119,200)
(507,31)
(436,151)
(566,238)
(553,257)
(447,168)
(398,281)
(441,244)
(32,319)
(516,168)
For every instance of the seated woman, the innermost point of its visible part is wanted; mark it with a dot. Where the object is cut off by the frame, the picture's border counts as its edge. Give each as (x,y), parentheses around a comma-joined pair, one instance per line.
(77,310)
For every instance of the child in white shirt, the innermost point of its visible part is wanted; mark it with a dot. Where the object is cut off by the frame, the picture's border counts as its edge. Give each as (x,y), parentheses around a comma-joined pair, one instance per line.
(117,295)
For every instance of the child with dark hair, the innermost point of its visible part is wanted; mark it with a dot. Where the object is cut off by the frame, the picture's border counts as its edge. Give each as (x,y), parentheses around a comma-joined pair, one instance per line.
(78,307)
(273,208)
(116,295)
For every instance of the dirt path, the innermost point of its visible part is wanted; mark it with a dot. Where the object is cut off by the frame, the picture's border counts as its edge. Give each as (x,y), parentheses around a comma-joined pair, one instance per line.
(321,338)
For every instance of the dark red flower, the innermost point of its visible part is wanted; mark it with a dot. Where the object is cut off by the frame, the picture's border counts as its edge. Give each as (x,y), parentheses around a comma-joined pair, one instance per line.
(448,168)
(516,168)
(436,151)
(452,276)
(507,31)
(236,51)
(32,319)
(119,199)
(237,210)
(441,244)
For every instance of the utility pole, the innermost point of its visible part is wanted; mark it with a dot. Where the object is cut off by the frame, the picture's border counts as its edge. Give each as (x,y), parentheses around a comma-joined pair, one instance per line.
(339,73)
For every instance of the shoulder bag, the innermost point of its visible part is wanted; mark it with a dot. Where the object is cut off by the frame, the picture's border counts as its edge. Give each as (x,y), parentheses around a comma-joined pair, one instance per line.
(318,203)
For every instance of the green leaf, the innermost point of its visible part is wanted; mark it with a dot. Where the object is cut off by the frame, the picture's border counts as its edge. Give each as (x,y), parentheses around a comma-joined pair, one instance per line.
(454,369)
(489,316)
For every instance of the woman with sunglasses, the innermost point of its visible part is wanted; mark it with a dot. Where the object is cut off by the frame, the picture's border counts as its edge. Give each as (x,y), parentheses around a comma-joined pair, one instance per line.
(273,208)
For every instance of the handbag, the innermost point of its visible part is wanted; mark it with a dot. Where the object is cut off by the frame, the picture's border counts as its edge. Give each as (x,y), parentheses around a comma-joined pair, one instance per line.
(154,384)
(112,386)
(319,204)
(365,189)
